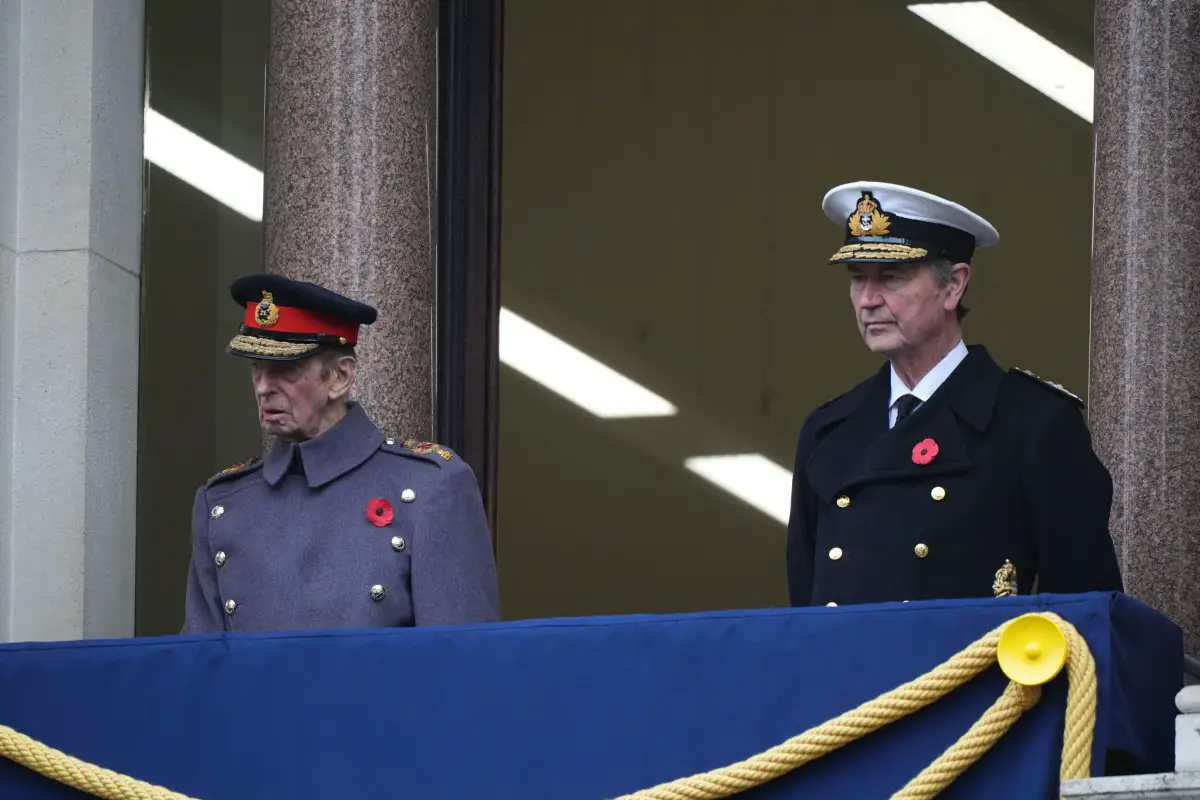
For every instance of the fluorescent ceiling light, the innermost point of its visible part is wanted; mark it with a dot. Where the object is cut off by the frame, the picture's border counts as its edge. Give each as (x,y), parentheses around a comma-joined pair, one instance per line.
(573,374)
(203,165)
(1016,48)
(750,477)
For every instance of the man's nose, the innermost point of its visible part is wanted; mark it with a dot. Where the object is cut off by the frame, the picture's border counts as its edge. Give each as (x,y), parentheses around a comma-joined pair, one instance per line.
(262,383)
(869,295)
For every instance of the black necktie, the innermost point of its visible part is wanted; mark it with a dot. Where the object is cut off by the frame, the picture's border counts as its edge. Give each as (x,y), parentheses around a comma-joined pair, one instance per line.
(905,406)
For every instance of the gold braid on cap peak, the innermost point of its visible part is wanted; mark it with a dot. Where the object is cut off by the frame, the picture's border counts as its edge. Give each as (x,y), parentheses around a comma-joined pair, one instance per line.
(879,250)
(258,346)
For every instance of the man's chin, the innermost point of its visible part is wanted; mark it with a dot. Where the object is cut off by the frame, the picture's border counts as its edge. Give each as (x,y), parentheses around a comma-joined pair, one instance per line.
(881,343)
(275,427)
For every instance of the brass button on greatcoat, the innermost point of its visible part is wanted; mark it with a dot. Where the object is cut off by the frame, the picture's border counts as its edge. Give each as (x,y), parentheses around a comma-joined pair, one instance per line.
(230,606)
(219,558)
(377,592)
(938,493)
(835,553)
(843,501)
(397,543)
(921,550)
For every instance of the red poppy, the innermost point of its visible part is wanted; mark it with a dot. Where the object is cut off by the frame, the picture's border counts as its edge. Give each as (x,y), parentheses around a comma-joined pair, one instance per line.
(924,451)
(380,513)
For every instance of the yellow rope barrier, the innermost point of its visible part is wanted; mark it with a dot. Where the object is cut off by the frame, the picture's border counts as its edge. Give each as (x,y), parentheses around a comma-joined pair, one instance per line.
(908,699)
(986,731)
(770,764)
(85,777)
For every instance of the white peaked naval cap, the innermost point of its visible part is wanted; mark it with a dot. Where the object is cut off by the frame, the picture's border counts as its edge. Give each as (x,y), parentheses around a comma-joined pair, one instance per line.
(893,224)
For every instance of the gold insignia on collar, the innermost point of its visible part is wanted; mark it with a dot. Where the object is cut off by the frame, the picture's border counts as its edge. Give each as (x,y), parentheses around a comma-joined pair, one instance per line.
(1005,584)
(867,219)
(267,313)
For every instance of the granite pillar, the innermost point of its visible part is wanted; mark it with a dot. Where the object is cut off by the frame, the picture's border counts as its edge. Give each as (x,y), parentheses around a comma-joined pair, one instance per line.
(1145,350)
(349,180)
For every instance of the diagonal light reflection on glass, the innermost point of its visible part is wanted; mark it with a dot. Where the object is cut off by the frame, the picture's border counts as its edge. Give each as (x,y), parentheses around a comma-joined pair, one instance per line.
(198,162)
(751,477)
(1016,48)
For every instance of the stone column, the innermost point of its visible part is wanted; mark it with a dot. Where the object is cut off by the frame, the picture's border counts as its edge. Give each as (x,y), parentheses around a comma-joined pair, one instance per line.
(1145,347)
(71,94)
(349,180)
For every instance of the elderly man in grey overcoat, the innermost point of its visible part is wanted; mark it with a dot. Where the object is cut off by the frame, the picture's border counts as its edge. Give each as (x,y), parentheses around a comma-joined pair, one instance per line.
(339,525)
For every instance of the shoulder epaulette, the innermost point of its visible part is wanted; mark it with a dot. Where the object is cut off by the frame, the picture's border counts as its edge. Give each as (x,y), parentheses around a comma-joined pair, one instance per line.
(851,397)
(830,401)
(1055,387)
(431,451)
(428,448)
(234,469)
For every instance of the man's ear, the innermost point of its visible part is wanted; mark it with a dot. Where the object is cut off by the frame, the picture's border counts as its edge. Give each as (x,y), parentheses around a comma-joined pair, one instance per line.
(343,369)
(960,276)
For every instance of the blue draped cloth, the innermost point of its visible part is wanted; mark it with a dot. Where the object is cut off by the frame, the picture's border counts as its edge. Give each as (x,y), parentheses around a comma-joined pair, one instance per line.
(573,709)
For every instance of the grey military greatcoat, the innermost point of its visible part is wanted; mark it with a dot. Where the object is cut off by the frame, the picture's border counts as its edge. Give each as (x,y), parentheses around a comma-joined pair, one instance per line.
(349,529)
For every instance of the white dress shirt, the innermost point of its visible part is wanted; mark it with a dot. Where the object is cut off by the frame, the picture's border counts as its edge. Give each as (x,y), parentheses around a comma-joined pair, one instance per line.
(927,385)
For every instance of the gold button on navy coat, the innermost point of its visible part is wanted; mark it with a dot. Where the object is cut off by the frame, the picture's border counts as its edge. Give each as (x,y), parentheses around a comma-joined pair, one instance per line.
(1013,495)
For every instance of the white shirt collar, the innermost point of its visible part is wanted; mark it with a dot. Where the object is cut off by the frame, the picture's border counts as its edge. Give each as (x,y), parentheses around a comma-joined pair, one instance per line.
(932,380)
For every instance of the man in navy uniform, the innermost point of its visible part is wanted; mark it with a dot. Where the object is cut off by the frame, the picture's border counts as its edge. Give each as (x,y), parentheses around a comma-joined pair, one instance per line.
(942,475)
(340,525)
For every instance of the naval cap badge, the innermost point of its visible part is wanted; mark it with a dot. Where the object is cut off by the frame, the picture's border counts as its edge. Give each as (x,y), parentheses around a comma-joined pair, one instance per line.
(868,218)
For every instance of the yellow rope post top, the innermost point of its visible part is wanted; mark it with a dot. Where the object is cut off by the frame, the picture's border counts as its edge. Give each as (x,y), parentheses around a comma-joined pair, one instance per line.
(1029,662)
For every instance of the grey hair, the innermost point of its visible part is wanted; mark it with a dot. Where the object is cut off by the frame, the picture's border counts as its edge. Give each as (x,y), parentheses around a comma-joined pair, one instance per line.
(330,354)
(943,269)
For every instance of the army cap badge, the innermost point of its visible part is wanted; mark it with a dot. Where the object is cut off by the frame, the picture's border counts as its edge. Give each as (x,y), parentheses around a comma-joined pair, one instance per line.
(286,319)
(892,224)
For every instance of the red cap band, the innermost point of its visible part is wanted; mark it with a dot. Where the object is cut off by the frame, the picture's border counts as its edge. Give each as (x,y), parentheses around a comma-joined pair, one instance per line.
(299,320)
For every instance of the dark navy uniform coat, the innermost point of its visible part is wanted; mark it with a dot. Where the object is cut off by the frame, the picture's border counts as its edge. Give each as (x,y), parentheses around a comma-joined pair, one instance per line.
(349,529)
(1014,493)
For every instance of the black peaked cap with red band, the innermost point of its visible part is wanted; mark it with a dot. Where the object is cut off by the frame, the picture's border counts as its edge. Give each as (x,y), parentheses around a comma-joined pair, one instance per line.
(286,320)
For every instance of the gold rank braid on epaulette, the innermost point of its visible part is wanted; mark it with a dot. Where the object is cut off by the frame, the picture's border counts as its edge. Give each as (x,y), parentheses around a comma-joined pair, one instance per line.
(426,448)
(238,467)
(1056,387)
